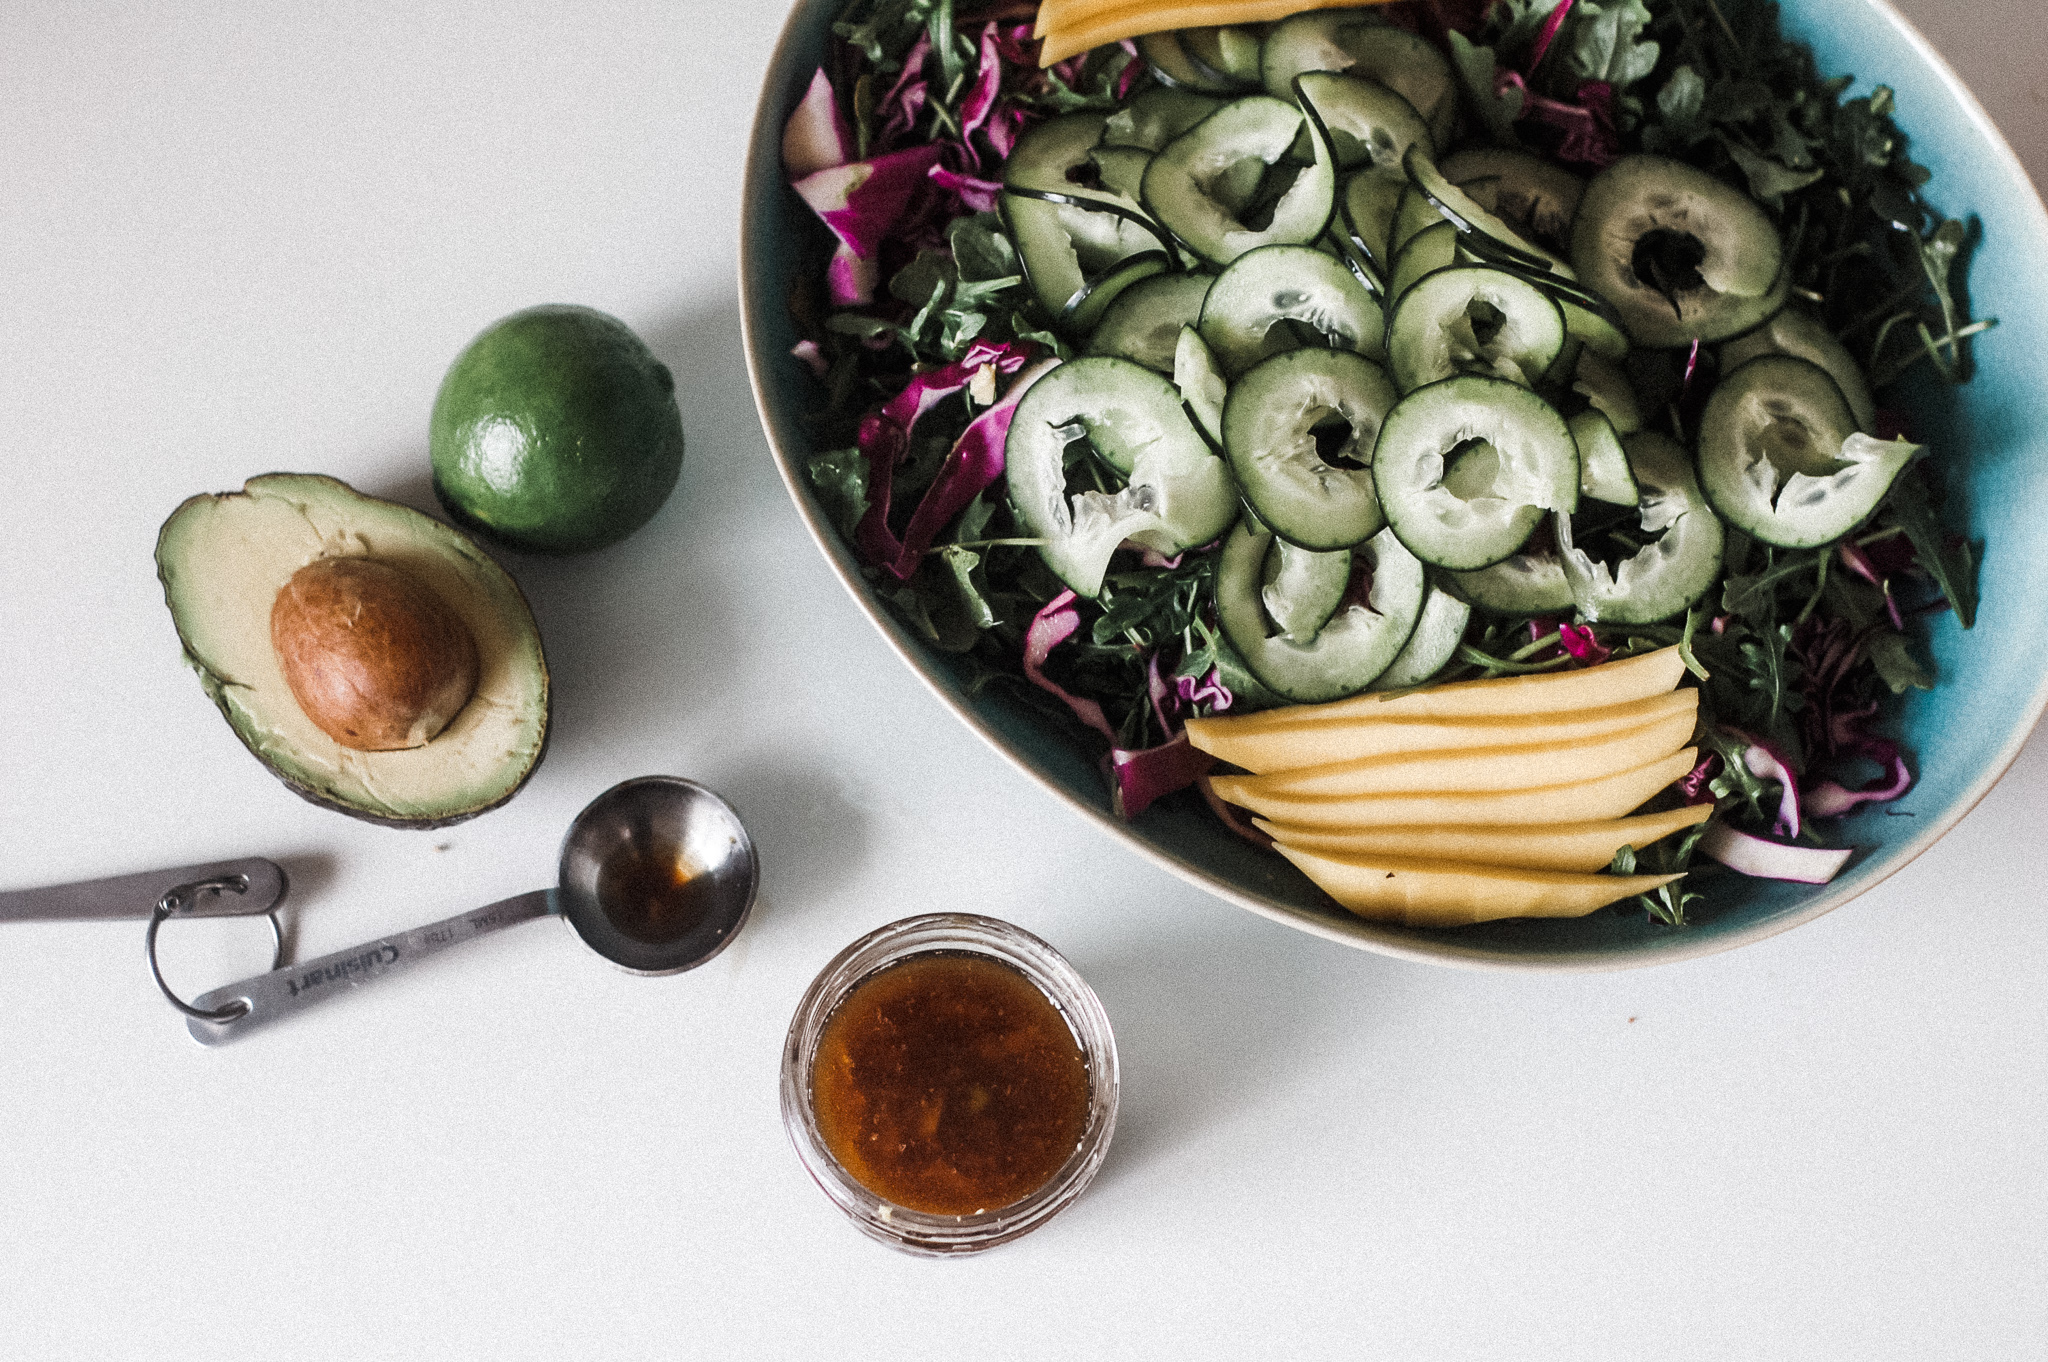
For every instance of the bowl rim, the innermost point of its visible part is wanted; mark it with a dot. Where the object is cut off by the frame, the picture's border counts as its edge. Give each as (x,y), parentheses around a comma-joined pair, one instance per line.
(765,138)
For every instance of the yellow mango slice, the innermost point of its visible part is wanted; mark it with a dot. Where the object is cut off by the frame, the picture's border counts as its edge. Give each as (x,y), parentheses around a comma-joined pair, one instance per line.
(1420,893)
(1610,683)
(1478,769)
(1322,743)
(1064,39)
(1577,802)
(1544,846)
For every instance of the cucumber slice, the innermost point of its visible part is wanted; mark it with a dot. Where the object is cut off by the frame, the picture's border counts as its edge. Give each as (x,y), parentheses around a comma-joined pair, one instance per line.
(1078,232)
(1670,573)
(1485,234)
(1361,43)
(1800,334)
(1597,327)
(1365,212)
(1520,584)
(1201,383)
(1603,384)
(1346,253)
(1201,181)
(1144,323)
(1681,255)
(1486,238)
(1121,169)
(1368,125)
(1152,119)
(1178,494)
(1055,157)
(1466,468)
(1350,652)
(1603,466)
(1531,195)
(1281,297)
(1172,64)
(1247,692)
(1317,499)
(1428,251)
(1302,588)
(1413,215)
(1228,51)
(1782,460)
(1087,307)
(1438,632)
(1473,319)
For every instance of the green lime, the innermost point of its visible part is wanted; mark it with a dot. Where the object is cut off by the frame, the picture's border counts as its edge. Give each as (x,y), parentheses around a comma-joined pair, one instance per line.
(556,431)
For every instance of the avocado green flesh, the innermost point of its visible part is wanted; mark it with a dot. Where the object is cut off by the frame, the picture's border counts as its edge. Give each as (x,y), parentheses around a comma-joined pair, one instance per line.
(222,559)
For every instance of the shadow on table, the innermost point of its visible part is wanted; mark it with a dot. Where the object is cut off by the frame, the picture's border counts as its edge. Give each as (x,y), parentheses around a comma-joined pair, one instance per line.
(1213,1024)
(652,642)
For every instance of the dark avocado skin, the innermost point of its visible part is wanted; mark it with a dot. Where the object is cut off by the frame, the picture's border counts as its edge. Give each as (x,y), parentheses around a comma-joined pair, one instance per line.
(312,796)
(555,431)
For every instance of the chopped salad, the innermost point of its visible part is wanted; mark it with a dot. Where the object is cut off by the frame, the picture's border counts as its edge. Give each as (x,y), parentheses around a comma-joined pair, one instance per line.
(1258,364)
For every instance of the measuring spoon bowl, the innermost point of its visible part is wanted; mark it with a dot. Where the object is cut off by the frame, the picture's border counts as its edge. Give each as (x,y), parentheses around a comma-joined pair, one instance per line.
(657,875)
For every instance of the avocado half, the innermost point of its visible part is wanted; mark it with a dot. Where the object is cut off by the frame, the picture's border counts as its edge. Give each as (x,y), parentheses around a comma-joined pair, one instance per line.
(222,558)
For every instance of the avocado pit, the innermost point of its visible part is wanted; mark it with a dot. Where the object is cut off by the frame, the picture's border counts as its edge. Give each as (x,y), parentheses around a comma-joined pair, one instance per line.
(376,660)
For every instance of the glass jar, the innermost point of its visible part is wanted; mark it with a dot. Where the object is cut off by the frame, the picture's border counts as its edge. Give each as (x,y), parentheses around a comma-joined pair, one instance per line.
(953,934)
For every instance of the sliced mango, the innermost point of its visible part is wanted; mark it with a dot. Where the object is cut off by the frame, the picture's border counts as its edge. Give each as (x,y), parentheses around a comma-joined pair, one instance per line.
(1064,39)
(1610,683)
(1321,743)
(1478,769)
(1545,846)
(1421,893)
(1579,802)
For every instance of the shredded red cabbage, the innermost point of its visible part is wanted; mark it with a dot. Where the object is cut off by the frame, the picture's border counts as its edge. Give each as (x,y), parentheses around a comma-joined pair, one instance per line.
(817,136)
(1828,653)
(885,439)
(1766,762)
(1763,859)
(1138,778)
(1694,785)
(867,202)
(1053,625)
(1590,135)
(974,464)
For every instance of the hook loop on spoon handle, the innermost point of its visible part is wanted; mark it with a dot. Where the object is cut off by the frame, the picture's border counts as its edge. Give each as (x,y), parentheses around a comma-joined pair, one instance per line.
(250,885)
(286,992)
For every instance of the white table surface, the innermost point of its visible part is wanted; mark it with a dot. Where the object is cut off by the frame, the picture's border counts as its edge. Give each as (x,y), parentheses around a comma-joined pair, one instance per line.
(245,238)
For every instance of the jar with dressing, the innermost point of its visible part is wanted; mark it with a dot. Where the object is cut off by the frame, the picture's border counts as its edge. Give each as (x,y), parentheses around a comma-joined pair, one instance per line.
(950,1082)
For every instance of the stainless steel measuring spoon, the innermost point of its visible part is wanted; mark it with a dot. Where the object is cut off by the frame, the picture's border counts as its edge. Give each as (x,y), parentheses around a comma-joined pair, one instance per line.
(240,888)
(656,875)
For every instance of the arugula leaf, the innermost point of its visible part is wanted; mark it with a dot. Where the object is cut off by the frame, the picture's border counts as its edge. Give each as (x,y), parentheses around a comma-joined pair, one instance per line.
(1735,780)
(1681,111)
(840,477)
(1604,42)
(1896,664)
(888,30)
(1515,24)
(1769,181)
(1475,66)
(980,249)
(1954,570)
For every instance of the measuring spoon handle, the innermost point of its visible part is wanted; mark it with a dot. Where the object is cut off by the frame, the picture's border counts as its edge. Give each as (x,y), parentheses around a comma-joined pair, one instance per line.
(220,889)
(285,992)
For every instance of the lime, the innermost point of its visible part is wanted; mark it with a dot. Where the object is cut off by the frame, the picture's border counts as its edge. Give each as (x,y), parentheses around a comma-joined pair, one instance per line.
(556,431)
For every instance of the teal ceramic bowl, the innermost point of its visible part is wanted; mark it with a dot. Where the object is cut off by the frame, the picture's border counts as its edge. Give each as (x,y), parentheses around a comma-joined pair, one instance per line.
(1963,734)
